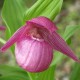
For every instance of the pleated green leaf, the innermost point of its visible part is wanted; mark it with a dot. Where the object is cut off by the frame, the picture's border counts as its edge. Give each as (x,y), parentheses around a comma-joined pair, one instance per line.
(12,14)
(49,74)
(13,77)
(12,73)
(70,30)
(75,75)
(48,8)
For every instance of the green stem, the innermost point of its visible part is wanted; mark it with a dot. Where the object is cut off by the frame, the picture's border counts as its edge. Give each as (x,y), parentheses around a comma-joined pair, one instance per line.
(2,41)
(29,76)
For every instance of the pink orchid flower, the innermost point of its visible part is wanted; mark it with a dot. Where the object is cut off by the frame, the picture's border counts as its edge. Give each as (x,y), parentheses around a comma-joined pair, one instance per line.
(35,43)
(2,28)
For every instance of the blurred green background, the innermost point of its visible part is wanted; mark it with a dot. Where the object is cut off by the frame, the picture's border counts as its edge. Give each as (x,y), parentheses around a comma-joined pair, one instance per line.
(69,15)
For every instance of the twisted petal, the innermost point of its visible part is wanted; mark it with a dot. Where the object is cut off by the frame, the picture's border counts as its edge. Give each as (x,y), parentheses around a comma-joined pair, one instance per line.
(43,22)
(33,55)
(59,44)
(13,39)
(2,28)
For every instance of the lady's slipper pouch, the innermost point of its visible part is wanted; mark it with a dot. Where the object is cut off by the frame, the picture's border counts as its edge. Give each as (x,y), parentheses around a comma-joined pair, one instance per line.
(35,43)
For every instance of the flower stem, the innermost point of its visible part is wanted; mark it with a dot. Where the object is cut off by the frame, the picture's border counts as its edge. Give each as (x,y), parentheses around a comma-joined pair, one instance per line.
(31,76)
(2,41)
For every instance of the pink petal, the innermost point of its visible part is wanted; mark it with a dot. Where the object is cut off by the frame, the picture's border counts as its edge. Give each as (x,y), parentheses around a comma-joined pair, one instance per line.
(33,55)
(44,23)
(13,39)
(2,28)
(59,44)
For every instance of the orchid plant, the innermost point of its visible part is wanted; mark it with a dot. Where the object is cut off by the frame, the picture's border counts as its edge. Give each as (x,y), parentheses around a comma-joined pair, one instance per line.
(35,37)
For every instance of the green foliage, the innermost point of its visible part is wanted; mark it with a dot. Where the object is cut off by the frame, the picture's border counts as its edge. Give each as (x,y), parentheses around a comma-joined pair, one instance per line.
(12,14)
(70,30)
(48,8)
(2,41)
(13,77)
(12,73)
(75,75)
(49,74)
